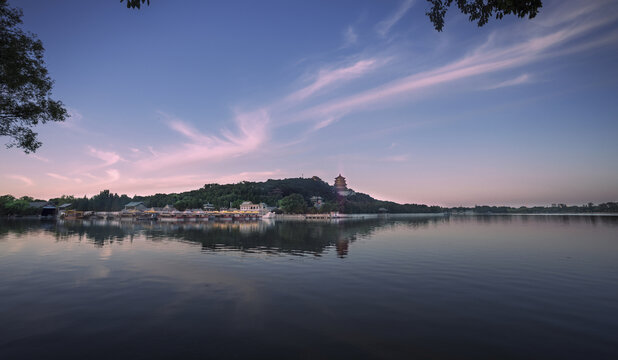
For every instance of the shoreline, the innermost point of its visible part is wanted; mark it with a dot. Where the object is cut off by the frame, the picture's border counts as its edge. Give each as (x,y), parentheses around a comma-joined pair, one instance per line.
(318,217)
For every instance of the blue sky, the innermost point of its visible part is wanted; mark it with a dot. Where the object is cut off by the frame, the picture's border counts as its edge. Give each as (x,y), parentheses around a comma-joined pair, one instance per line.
(180,94)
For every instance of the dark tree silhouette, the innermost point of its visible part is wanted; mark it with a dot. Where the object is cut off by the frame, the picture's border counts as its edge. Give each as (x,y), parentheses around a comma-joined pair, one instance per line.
(25,87)
(477,10)
(481,10)
(132,4)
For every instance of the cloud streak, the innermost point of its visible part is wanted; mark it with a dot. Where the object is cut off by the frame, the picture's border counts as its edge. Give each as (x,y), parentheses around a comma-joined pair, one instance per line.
(63,178)
(333,77)
(522,79)
(484,60)
(251,131)
(24,179)
(349,36)
(108,157)
(385,26)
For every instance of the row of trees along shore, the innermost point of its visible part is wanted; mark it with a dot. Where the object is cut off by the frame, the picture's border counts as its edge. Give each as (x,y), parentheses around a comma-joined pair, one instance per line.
(290,195)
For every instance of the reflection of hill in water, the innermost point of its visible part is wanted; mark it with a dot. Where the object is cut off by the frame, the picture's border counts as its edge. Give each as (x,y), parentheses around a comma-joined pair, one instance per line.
(290,237)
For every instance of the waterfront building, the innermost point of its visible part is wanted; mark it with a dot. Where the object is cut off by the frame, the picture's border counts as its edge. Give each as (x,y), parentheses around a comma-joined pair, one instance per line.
(208,207)
(261,208)
(38,204)
(135,206)
(49,210)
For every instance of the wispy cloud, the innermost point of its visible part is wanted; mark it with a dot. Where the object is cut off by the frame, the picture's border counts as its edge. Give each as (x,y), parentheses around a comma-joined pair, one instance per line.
(74,122)
(186,129)
(38,157)
(250,132)
(57,176)
(324,123)
(108,157)
(26,180)
(332,77)
(521,79)
(73,119)
(64,178)
(112,175)
(384,26)
(396,158)
(349,36)
(484,60)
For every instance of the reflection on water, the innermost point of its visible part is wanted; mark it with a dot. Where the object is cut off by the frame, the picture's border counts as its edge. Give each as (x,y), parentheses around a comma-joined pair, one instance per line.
(291,237)
(493,287)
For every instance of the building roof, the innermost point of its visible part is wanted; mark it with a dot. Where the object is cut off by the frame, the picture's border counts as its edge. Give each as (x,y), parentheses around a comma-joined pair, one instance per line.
(134,203)
(246,203)
(38,204)
(65,206)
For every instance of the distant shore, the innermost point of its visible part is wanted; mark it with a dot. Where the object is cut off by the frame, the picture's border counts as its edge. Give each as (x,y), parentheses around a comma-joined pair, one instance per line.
(303,217)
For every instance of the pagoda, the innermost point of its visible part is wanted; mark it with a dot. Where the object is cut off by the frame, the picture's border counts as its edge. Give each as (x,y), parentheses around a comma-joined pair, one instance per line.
(340,183)
(341,187)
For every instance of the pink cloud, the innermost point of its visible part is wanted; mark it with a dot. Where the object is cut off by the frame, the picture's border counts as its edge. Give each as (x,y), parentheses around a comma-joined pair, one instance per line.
(251,131)
(396,158)
(25,180)
(484,60)
(109,158)
(113,175)
(64,178)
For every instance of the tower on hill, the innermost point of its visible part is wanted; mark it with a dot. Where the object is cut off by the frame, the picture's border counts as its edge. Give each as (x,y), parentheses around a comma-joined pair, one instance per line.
(341,187)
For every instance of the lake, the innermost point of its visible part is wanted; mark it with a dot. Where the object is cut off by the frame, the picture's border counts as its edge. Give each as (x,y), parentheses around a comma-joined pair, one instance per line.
(477,287)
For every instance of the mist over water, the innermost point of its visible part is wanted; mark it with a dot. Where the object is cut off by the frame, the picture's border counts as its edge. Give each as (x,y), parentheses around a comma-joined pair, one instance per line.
(508,287)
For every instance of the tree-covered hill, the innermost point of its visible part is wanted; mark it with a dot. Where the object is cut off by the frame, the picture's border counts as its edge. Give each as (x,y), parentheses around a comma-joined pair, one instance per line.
(270,192)
(292,195)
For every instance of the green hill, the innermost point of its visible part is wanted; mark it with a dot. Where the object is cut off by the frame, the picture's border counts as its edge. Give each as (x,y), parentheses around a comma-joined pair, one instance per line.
(270,192)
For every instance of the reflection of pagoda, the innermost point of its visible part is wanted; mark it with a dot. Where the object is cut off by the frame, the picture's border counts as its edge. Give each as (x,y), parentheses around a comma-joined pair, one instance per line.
(341,187)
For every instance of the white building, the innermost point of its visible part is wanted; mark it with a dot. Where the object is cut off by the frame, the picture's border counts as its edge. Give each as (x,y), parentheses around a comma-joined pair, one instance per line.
(261,208)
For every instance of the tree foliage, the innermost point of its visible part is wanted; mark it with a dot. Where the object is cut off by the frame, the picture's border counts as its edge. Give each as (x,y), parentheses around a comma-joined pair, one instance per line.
(104,201)
(132,4)
(482,10)
(293,204)
(477,10)
(25,86)
(9,205)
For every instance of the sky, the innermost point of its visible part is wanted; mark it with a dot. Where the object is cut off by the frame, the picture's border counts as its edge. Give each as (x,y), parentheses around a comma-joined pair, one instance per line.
(181,94)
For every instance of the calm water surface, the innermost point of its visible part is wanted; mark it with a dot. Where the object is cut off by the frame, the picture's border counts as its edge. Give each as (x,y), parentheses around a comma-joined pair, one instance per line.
(499,287)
